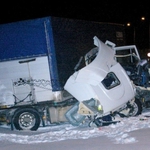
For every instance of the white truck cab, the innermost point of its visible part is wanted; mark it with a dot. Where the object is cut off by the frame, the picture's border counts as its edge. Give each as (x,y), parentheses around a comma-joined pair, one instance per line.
(102,80)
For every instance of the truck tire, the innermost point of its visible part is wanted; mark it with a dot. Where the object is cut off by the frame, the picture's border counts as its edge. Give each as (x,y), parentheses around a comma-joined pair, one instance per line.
(136,108)
(26,119)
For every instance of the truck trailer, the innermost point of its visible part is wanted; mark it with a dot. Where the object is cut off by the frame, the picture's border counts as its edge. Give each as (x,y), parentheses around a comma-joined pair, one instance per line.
(45,81)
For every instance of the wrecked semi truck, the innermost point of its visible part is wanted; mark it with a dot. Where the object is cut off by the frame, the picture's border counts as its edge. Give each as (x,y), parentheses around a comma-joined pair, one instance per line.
(40,84)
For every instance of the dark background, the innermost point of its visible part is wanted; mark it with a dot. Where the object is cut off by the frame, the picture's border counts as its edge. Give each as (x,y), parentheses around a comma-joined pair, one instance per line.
(103,11)
(120,12)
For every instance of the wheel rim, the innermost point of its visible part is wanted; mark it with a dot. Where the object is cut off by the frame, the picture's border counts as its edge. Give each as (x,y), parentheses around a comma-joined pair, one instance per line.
(27,120)
(134,109)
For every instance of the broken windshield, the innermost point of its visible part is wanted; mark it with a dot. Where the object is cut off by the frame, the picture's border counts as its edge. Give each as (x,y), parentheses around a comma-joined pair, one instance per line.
(126,57)
(90,56)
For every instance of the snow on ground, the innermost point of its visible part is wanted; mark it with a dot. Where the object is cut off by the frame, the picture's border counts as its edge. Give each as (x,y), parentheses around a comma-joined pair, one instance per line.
(118,132)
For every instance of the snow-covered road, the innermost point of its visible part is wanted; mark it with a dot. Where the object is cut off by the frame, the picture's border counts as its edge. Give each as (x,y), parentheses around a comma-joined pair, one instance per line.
(118,133)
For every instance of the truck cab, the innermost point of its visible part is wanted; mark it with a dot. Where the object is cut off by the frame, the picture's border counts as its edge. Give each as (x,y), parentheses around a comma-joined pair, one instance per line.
(102,85)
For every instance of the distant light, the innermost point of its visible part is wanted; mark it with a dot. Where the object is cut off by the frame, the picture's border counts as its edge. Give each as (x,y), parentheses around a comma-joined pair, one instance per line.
(148,54)
(128,24)
(142,18)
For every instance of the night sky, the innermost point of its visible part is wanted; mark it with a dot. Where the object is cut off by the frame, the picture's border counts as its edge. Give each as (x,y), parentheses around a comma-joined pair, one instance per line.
(118,12)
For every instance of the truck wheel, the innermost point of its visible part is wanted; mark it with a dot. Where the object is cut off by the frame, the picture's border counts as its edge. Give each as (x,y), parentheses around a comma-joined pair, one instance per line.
(136,108)
(26,119)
